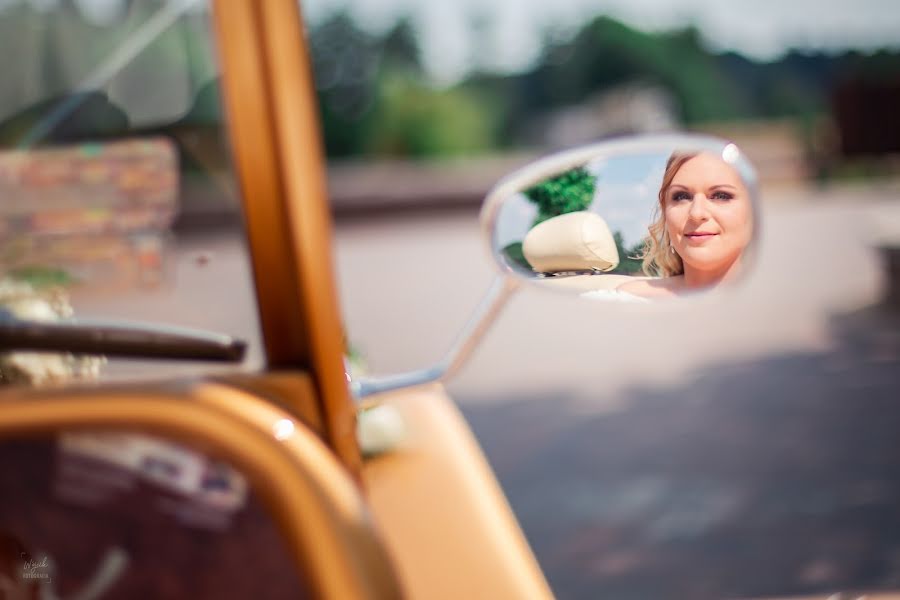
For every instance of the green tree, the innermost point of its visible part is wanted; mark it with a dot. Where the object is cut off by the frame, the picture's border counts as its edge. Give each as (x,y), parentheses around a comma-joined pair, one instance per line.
(569,192)
(629,259)
(415,120)
(345,64)
(515,256)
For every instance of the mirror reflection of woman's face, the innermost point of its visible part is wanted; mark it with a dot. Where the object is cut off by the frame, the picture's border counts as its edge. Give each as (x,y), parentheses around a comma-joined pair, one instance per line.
(708,213)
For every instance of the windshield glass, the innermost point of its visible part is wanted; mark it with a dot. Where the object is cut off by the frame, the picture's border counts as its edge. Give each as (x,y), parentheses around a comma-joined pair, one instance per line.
(119,199)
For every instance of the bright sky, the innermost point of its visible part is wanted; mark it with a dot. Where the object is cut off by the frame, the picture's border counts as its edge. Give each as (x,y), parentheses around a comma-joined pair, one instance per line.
(762,29)
(625,197)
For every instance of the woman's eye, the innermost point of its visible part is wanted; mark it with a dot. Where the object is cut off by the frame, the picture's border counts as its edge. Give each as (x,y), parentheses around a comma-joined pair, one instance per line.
(722,195)
(680,196)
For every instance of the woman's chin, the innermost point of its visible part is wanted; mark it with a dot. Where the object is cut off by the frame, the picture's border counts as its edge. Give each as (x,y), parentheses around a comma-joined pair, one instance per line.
(708,261)
(699,260)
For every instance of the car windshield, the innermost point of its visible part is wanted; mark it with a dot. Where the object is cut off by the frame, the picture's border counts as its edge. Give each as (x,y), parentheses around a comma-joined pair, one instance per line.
(119,199)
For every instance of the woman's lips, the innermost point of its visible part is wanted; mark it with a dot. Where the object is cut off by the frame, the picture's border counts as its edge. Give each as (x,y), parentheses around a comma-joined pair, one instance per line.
(699,238)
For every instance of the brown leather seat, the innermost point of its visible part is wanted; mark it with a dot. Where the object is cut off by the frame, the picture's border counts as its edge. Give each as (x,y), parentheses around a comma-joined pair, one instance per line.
(75,511)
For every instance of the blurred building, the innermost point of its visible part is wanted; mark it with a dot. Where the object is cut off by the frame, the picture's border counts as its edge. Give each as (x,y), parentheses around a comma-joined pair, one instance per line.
(626,109)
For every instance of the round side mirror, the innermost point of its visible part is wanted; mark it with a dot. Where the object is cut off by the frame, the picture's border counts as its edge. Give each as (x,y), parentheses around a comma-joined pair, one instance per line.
(636,219)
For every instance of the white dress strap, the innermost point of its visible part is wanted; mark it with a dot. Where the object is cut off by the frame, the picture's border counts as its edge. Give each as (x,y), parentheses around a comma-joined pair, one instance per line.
(615,296)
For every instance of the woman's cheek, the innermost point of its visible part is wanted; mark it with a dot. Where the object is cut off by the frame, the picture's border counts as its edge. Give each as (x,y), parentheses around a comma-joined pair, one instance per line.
(674,222)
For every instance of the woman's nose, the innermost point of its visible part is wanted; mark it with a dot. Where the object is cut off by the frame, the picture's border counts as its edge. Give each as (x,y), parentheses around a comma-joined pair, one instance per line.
(699,208)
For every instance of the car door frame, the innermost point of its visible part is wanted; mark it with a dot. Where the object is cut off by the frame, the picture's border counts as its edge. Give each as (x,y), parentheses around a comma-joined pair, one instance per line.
(273,124)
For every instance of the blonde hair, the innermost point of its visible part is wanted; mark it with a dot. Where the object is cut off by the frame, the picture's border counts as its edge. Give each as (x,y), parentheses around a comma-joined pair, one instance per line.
(659,257)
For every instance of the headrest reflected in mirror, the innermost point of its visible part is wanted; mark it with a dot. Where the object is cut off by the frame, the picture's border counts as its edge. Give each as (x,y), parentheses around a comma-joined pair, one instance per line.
(573,242)
(632,219)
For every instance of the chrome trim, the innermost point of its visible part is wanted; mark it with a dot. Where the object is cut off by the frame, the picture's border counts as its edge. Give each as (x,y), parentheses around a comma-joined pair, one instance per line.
(499,292)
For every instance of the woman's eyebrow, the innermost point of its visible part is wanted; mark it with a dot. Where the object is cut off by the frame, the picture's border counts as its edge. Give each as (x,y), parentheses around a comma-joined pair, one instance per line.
(722,185)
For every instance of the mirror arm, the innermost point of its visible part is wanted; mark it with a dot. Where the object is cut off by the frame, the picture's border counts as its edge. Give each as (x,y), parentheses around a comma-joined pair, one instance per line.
(122,339)
(501,289)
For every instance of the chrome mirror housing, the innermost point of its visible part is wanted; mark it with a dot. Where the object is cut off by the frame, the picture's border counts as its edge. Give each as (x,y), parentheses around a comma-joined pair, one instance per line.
(637,219)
